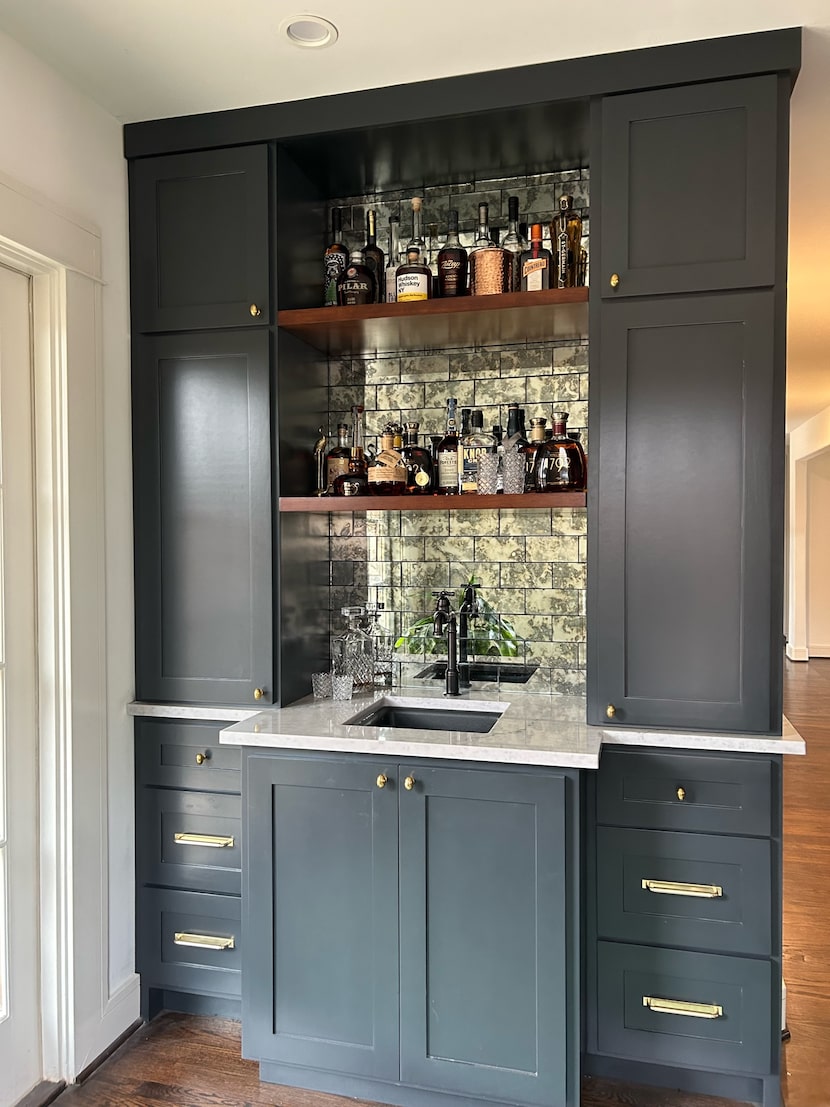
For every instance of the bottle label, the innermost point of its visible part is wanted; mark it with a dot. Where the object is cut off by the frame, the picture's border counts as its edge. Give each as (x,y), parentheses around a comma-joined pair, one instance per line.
(355,289)
(334,265)
(533,272)
(469,468)
(391,286)
(412,286)
(448,470)
(563,261)
(421,477)
(334,467)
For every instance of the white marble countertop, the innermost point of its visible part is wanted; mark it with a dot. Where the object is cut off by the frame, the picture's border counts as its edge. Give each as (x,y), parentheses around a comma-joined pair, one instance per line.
(533,729)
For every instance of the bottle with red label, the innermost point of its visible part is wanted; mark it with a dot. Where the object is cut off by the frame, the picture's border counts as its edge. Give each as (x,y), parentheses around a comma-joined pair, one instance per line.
(535,263)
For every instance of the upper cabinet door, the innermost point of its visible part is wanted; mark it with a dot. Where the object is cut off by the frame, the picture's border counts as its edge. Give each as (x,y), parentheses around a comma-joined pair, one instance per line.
(199,240)
(688,188)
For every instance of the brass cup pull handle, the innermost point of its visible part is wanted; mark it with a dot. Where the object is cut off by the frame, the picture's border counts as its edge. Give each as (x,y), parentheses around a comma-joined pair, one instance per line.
(255,310)
(678,888)
(201,758)
(610,711)
(202,941)
(213,841)
(683,1007)
(409,783)
(681,794)
(382,780)
(259,693)
(615,280)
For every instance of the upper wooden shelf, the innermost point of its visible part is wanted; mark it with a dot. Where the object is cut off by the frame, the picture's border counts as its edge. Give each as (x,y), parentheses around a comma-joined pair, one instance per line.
(467,502)
(556,313)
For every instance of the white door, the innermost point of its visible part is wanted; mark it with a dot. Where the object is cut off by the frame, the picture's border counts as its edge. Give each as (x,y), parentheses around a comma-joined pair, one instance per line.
(20,1031)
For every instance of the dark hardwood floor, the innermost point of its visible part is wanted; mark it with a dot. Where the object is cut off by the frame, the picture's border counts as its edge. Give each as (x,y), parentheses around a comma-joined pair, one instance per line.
(183,1061)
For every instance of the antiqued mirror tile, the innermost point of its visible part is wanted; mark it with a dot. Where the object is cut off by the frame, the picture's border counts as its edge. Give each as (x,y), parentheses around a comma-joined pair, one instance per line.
(523,361)
(474,364)
(383,370)
(561,654)
(525,576)
(571,359)
(566,575)
(553,601)
(436,394)
(425,367)
(452,549)
(391,398)
(569,521)
(533,628)
(583,548)
(556,547)
(425,574)
(500,549)
(499,392)
(410,548)
(485,575)
(506,601)
(567,682)
(471,523)
(568,628)
(348,549)
(426,523)
(383,524)
(524,521)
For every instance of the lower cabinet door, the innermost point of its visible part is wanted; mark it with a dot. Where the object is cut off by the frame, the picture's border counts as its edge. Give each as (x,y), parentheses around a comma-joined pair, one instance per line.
(483,923)
(675,1007)
(320,893)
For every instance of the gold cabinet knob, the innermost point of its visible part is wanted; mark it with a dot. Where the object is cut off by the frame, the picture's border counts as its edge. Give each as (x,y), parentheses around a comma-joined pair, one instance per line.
(610,711)
(382,780)
(615,280)
(681,794)
(201,758)
(259,693)
(409,783)
(255,310)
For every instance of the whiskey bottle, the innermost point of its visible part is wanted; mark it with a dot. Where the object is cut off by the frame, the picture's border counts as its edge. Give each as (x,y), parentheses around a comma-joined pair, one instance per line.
(489,264)
(354,482)
(418,462)
(447,453)
(566,242)
(394,259)
(335,260)
(483,239)
(413,280)
(537,440)
(476,442)
(452,261)
(560,462)
(373,257)
(387,474)
(356,284)
(535,263)
(515,424)
(337,459)
(514,242)
(417,241)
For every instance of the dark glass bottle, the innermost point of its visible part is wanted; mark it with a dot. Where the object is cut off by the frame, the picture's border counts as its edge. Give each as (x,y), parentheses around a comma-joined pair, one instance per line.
(337,459)
(373,257)
(560,462)
(514,242)
(393,261)
(335,260)
(356,284)
(465,421)
(387,473)
(536,263)
(452,261)
(418,461)
(566,242)
(515,424)
(448,453)
(537,440)
(354,481)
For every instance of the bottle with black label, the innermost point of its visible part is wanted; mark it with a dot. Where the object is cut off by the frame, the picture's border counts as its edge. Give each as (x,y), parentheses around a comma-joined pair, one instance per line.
(335,260)
(373,257)
(448,453)
(356,284)
(452,261)
(418,460)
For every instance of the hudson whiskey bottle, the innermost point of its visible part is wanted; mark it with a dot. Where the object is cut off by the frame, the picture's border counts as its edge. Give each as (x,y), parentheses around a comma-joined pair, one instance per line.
(566,242)
(535,263)
(356,284)
(413,279)
(335,260)
(560,462)
(373,257)
(447,454)
(452,262)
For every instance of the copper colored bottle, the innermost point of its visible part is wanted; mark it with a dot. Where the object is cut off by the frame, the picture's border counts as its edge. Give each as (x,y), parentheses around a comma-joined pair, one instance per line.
(560,461)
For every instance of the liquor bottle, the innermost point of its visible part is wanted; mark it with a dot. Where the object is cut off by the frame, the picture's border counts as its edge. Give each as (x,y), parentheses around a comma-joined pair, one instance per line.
(354,481)
(419,462)
(352,653)
(452,261)
(560,462)
(582,268)
(537,440)
(514,242)
(483,239)
(373,257)
(535,263)
(489,264)
(335,260)
(387,473)
(394,259)
(515,420)
(356,284)
(566,242)
(417,241)
(448,454)
(337,459)
(476,442)
(413,280)
(465,421)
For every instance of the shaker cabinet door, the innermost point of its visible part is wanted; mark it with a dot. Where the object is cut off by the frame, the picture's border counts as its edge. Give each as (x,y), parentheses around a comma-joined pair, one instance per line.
(684,561)
(202,511)
(688,182)
(199,240)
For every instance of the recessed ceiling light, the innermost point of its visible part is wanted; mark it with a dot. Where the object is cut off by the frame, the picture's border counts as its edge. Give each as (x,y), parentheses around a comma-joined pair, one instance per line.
(309,30)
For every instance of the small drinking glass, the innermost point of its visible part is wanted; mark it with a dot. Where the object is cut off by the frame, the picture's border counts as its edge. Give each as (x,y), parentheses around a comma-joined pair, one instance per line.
(487,475)
(513,469)
(321,685)
(341,686)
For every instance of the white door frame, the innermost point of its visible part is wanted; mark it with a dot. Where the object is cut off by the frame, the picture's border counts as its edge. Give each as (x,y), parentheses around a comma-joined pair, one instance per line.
(62,254)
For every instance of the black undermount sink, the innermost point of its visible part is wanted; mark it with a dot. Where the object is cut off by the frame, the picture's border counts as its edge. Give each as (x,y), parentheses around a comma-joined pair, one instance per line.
(503,672)
(415,716)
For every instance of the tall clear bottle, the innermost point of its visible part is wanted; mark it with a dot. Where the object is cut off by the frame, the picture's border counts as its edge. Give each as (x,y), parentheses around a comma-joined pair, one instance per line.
(452,261)
(335,259)
(373,256)
(394,259)
(476,442)
(417,242)
(483,239)
(448,454)
(514,242)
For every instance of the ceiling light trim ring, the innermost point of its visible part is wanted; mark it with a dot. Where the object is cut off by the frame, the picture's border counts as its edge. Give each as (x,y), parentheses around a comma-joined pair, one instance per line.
(309,32)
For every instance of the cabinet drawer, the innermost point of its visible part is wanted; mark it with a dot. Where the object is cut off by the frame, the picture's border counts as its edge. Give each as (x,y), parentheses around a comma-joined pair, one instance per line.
(668,791)
(703,891)
(697,1010)
(185,755)
(189,840)
(189,941)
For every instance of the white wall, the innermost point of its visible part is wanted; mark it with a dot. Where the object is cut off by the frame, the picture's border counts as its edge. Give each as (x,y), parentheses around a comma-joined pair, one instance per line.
(55,141)
(818,555)
(807,442)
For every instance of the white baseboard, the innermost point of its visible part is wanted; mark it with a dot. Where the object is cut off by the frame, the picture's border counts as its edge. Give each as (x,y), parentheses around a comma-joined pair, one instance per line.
(121,1011)
(819,651)
(797,653)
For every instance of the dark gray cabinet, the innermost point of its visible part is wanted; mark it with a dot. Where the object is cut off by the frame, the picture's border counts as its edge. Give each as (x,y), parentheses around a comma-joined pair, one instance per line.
(188,868)
(206,264)
(690,202)
(203,517)
(413,924)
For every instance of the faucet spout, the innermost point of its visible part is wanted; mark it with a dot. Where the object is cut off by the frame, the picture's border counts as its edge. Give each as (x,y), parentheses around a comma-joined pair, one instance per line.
(444,619)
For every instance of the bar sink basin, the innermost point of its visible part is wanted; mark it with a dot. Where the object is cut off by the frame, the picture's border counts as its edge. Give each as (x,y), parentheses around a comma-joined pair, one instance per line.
(493,671)
(471,716)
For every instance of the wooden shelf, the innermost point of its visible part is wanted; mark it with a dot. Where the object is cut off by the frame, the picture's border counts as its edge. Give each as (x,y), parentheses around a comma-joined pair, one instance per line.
(556,313)
(469,502)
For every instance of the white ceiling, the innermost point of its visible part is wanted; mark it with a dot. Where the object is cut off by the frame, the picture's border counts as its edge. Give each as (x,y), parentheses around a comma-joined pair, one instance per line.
(145,59)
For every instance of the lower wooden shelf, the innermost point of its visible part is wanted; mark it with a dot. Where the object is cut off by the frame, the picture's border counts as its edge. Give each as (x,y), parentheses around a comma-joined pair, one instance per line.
(468,502)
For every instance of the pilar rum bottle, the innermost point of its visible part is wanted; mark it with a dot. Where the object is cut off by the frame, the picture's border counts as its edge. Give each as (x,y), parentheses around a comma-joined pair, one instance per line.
(452,261)
(335,260)
(356,284)
(447,454)
(373,256)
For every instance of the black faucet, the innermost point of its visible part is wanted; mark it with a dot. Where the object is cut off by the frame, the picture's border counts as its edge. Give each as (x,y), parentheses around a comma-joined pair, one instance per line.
(444,618)
(469,607)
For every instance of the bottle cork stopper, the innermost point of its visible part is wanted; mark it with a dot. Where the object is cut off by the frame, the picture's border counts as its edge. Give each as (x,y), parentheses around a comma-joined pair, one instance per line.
(416,203)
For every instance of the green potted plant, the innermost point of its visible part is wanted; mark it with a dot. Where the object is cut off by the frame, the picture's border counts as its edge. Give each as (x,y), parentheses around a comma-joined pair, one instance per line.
(489,634)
